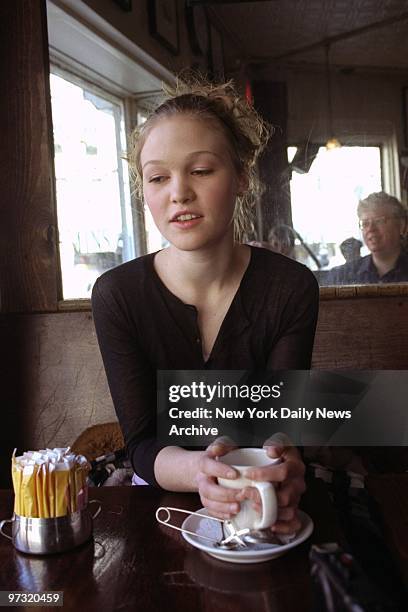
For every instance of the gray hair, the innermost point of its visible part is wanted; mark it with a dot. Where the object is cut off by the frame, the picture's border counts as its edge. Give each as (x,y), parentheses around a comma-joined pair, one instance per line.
(380,198)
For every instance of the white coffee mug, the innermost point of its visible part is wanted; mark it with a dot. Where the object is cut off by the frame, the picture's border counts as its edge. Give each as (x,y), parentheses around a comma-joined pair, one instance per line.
(242,459)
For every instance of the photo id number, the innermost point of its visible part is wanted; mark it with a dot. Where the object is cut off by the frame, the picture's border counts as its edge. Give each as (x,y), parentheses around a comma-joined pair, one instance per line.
(24,598)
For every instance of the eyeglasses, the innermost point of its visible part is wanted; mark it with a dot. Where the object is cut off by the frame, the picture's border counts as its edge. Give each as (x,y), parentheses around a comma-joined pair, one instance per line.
(364,224)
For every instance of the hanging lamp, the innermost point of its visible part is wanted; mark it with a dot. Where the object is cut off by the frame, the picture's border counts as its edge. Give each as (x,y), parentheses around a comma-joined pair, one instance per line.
(332,142)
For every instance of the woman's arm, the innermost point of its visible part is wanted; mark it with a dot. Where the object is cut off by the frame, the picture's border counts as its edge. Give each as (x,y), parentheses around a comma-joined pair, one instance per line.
(293,350)
(178,469)
(131,379)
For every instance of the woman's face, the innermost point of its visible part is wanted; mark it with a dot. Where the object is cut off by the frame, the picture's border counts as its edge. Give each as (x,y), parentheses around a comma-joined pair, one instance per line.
(189,181)
(381,230)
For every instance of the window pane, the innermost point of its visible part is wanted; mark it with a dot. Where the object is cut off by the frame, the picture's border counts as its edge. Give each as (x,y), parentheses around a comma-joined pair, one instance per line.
(324,200)
(154,239)
(93,199)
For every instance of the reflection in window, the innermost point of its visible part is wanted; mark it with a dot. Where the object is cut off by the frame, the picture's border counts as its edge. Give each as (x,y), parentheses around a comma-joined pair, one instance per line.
(324,200)
(93,196)
(154,239)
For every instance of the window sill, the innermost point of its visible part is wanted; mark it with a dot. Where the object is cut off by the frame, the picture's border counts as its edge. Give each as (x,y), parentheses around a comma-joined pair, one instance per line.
(326,293)
(363,291)
(79,305)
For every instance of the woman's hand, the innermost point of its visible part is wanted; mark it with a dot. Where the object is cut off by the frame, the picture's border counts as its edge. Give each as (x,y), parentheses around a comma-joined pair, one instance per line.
(220,501)
(288,477)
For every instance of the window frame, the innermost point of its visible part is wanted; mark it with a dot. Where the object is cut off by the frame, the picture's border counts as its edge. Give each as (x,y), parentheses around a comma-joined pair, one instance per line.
(129,110)
(387,142)
(90,49)
(377,143)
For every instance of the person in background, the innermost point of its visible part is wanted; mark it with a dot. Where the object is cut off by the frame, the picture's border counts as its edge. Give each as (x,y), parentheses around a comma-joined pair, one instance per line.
(281,239)
(383,224)
(207,301)
(350,249)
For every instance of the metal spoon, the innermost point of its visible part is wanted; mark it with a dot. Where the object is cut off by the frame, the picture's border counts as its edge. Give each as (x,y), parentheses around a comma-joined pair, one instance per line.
(232,539)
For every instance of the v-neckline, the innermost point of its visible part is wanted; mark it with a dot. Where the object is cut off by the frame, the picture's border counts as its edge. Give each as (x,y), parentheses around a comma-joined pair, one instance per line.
(224,322)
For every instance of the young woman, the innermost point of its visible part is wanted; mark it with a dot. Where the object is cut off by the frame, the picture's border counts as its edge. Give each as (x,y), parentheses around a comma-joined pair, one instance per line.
(207,301)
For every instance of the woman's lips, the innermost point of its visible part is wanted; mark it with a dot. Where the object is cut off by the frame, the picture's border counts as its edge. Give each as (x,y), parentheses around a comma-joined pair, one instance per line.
(186,220)
(187,224)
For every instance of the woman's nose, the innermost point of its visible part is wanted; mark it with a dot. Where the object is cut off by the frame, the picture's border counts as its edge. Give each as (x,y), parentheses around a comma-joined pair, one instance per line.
(181,191)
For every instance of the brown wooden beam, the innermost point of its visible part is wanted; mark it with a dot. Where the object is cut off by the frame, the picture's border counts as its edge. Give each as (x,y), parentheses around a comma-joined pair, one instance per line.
(29,266)
(270,100)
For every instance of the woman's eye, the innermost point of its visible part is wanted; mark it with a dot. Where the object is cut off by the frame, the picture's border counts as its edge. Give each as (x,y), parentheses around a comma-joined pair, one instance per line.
(202,171)
(156,179)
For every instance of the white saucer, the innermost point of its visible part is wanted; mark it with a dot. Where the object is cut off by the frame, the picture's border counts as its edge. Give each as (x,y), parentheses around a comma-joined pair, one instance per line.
(263,552)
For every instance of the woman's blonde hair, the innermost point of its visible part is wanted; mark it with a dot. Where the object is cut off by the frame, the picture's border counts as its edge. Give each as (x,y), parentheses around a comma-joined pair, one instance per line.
(246,132)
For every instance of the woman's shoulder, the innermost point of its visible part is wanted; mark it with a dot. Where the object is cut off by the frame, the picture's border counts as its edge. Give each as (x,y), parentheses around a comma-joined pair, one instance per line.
(279,285)
(280,268)
(130,276)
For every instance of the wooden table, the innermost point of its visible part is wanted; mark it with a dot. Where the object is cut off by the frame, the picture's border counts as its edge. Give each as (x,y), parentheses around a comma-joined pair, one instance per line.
(390,494)
(136,564)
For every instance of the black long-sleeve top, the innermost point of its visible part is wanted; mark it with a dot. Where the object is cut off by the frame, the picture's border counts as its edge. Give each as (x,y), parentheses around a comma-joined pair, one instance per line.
(142,327)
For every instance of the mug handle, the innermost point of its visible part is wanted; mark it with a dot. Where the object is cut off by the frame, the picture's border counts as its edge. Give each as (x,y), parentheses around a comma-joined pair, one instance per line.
(98,511)
(269,504)
(2,523)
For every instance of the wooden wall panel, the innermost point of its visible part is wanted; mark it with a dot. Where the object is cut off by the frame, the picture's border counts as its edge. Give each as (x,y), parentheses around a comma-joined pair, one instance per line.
(69,391)
(53,381)
(362,333)
(28,257)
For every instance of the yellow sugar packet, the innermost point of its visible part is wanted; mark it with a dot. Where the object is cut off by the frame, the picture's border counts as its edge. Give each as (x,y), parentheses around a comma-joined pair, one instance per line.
(16,475)
(44,491)
(72,490)
(61,489)
(50,480)
(39,490)
(49,483)
(22,491)
(29,491)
